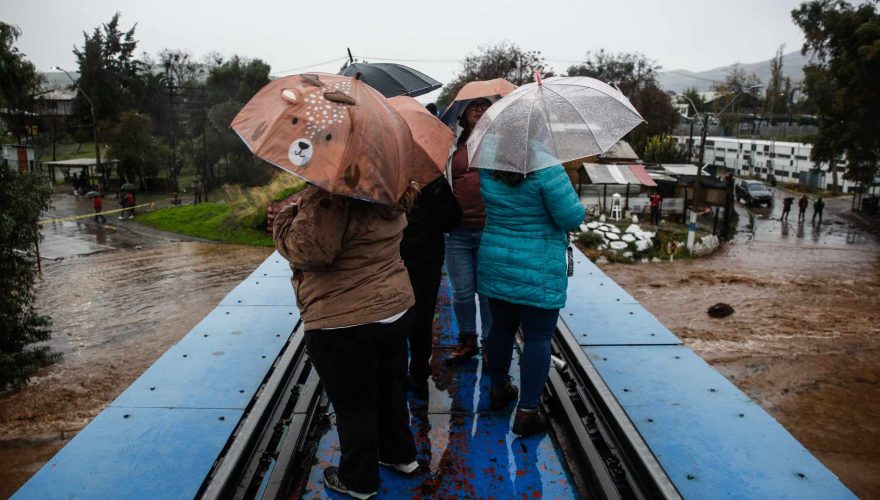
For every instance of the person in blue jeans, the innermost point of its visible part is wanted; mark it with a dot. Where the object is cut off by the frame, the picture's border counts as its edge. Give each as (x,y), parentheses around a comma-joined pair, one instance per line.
(463,241)
(523,270)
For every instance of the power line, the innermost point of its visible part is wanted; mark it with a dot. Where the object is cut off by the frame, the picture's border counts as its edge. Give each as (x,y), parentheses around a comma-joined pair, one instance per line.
(294,70)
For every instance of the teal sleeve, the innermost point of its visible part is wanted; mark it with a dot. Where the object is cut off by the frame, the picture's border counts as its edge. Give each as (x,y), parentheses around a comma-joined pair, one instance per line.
(561,199)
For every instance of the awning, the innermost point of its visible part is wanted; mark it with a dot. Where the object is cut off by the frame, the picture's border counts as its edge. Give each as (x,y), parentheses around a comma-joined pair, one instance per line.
(618,174)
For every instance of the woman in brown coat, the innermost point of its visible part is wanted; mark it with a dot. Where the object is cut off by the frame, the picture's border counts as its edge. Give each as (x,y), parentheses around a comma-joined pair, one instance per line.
(355,300)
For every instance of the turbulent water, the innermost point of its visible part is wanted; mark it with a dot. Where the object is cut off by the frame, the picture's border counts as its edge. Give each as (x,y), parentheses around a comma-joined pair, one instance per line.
(114,313)
(804,340)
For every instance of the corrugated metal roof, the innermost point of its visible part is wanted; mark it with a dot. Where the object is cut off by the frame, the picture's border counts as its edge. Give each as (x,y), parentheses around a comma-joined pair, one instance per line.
(618,174)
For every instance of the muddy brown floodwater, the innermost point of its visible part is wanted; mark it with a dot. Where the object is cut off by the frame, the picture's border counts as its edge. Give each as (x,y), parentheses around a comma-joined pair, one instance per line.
(804,341)
(114,313)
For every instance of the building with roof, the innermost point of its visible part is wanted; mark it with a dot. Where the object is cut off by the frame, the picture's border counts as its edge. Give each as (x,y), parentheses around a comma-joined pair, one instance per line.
(789,162)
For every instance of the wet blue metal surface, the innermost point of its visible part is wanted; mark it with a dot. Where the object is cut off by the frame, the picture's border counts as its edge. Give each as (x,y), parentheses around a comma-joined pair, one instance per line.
(262,291)
(615,324)
(153,453)
(465,449)
(275,265)
(174,431)
(713,441)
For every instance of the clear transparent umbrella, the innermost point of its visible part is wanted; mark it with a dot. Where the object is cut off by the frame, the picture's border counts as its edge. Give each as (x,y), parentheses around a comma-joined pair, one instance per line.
(549,122)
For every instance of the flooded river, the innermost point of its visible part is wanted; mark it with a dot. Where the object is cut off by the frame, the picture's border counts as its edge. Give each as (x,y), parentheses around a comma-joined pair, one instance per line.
(804,341)
(119,297)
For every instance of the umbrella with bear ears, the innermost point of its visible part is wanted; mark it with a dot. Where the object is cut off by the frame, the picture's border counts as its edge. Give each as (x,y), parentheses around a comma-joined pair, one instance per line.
(335,132)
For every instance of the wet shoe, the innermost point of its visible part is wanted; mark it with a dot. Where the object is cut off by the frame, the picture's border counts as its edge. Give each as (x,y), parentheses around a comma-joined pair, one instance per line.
(529,422)
(466,349)
(499,397)
(410,468)
(332,481)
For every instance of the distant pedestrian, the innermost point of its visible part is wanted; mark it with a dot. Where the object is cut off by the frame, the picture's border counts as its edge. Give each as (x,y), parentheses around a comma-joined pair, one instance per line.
(818,207)
(772,180)
(656,204)
(786,207)
(130,203)
(197,189)
(98,205)
(803,203)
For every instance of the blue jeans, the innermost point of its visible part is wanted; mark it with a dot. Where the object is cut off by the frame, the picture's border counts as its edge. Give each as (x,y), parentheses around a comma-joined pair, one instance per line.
(462,245)
(538,326)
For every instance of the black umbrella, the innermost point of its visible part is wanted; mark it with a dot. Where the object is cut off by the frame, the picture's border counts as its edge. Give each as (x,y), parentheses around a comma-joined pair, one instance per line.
(392,80)
(128,187)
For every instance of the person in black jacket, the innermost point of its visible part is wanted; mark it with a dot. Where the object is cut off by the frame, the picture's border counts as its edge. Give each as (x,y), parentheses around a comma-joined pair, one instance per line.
(435,212)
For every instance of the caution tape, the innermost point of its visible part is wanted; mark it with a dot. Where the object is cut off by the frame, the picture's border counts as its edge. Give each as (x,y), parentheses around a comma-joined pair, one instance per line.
(91,215)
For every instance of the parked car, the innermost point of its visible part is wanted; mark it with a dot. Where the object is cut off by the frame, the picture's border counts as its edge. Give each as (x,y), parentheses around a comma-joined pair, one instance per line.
(754,193)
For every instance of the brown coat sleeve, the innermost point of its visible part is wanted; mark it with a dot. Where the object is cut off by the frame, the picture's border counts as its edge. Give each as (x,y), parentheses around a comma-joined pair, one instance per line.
(309,233)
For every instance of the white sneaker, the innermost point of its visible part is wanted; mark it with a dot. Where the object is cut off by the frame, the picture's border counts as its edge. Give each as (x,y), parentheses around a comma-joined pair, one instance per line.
(403,468)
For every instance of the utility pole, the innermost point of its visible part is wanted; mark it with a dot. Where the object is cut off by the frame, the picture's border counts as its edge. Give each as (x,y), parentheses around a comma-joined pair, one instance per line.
(98,165)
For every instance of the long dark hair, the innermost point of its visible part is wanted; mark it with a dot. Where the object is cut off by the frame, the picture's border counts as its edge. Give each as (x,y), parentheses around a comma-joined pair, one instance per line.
(512,179)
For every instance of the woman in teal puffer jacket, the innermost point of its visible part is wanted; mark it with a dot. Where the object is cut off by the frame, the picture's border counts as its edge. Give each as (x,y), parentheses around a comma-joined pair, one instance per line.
(523,270)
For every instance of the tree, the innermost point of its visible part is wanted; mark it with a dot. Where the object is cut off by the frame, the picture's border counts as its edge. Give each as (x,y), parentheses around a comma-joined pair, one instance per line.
(776,96)
(841,83)
(503,60)
(736,92)
(22,199)
(109,72)
(664,149)
(697,98)
(636,77)
(19,81)
(132,143)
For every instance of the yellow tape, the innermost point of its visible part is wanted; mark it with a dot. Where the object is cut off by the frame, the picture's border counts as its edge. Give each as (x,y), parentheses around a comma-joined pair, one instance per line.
(91,215)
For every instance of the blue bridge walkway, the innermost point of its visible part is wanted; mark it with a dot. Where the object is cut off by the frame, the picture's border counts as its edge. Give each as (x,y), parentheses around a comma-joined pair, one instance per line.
(164,435)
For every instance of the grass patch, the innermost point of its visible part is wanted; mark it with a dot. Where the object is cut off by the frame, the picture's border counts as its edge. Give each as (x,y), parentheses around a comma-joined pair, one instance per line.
(212,221)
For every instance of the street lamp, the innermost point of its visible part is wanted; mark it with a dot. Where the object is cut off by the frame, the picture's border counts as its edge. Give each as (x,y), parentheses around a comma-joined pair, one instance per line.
(94,125)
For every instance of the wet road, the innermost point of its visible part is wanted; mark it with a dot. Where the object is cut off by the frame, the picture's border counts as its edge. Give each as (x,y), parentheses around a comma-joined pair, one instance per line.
(804,341)
(119,295)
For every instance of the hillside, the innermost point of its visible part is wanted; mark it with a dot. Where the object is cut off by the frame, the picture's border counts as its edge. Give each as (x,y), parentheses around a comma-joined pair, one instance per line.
(679,80)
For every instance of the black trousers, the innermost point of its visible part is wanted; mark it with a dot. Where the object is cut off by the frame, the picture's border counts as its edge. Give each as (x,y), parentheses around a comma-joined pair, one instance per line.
(425,280)
(362,369)
(655,216)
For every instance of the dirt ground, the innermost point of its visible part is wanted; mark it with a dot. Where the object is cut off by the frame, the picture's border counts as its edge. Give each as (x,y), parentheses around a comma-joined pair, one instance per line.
(804,341)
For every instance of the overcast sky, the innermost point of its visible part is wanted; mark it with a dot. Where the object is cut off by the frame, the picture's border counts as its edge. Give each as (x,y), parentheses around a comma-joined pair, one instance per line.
(430,36)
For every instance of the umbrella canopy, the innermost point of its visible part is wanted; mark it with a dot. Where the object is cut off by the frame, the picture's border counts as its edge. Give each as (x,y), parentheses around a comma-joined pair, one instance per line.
(333,131)
(92,194)
(431,137)
(498,87)
(392,80)
(490,89)
(546,123)
(128,187)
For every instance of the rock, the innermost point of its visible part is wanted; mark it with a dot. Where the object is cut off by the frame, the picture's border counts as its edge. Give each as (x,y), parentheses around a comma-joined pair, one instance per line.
(617,245)
(635,219)
(706,245)
(601,260)
(571,237)
(633,228)
(602,218)
(655,259)
(642,245)
(628,238)
(612,236)
(628,255)
(593,225)
(720,310)
(584,228)
(614,229)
